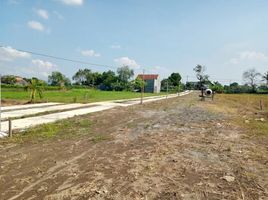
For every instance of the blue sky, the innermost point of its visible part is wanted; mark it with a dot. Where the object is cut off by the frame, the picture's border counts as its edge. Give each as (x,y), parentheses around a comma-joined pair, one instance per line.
(160,36)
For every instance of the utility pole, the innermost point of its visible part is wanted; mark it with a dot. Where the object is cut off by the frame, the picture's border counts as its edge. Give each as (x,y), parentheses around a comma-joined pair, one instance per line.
(167,88)
(142,87)
(1,132)
(186,81)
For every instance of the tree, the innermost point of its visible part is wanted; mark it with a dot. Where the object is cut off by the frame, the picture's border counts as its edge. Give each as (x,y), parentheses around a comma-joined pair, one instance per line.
(165,83)
(265,78)
(217,87)
(108,78)
(200,75)
(175,79)
(87,77)
(251,77)
(138,84)
(35,86)
(8,79)
(58,79)
(125,73)
(80,77)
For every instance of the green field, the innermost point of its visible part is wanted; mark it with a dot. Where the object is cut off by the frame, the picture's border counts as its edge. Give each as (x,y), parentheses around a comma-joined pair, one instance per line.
(70,96)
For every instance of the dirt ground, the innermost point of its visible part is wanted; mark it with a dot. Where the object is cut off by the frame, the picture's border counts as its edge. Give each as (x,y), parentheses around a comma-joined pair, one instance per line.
(172,149)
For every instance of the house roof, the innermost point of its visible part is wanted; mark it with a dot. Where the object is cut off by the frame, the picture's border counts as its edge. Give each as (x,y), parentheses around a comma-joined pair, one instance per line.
(148,76)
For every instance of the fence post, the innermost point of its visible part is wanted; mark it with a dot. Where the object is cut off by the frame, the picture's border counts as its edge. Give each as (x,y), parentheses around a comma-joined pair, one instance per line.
(9,128)
(260,104)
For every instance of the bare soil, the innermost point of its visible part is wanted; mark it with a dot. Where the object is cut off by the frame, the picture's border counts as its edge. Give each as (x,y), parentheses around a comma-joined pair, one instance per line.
(172,149)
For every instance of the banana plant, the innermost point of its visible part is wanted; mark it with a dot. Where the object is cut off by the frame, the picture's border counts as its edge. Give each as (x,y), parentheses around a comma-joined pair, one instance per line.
(35,87)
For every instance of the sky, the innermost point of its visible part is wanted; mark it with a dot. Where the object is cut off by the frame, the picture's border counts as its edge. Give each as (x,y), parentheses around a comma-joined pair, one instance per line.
(159,36)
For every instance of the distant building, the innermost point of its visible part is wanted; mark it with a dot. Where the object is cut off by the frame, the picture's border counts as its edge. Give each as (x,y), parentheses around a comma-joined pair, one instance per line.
(153,83)
(20,81)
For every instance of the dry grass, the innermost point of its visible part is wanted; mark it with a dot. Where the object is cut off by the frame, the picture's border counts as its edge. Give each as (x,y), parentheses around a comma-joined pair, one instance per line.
(244,110)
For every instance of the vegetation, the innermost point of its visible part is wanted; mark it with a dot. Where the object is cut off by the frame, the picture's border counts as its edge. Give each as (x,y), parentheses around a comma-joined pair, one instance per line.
(246,110)
(58,79)
(8,79)
(173,82)
(35,86)
(201,76)
(60,129)
(251,76)
(71,95)
(265,78)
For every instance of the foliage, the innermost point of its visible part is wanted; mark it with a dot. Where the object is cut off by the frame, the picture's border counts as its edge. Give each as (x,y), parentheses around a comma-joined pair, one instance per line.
(35,86)
(81,76)
(125,73)
(217,87)
(138,84)
(108,78)
(201,76)
(235,88)
(175,79)
(265,78)
(173,82)
(68,96)
(251,77)
(8,79)
(58,79)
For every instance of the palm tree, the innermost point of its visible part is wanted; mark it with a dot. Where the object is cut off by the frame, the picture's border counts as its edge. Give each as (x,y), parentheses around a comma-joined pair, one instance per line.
(35,86)
(265,78)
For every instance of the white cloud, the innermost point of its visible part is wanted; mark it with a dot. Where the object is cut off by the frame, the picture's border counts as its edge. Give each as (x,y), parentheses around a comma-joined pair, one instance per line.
(115,46)
(59,16)
(9,54)
(125,61)
(36,25)
(90,53)
(41,68)
(42,13)
(249,56)
(73,2)
(252,55)
(43,64)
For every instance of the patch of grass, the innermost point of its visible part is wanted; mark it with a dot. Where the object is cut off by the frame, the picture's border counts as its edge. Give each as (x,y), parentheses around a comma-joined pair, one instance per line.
(100,138)
(71,96)
(62,129)
(243,107)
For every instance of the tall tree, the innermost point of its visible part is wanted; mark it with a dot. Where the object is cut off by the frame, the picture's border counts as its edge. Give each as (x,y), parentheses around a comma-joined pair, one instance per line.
(80,77)
(200,75)
(265,78)
(251,77)
(125,73)
(108,78)
(175,79)
(58,79)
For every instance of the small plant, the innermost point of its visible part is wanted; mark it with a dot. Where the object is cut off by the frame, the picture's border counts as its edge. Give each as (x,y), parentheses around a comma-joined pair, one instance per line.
(35,86)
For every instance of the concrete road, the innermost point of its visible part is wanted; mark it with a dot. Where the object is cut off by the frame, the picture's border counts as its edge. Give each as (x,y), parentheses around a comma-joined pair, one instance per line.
(36,110)
(28,106)
(95,107)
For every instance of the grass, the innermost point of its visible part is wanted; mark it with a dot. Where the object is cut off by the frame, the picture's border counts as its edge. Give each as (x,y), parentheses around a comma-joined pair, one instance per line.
(244,107)
(70,96)
(74,127)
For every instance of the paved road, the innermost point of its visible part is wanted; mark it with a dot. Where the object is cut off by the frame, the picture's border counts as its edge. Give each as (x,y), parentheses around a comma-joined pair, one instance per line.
(28,106)
(32,111)
(95,107)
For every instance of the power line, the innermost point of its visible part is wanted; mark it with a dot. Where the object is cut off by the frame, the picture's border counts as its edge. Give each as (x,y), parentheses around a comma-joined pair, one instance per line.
(62,58)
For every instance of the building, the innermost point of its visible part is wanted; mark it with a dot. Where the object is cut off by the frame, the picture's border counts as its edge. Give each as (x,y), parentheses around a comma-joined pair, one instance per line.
(153,83)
